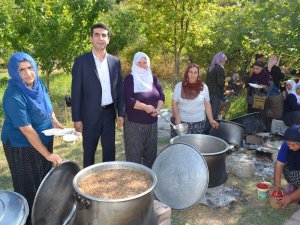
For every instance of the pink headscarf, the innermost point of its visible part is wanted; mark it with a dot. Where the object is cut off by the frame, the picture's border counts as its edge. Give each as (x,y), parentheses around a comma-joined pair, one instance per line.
(217,59)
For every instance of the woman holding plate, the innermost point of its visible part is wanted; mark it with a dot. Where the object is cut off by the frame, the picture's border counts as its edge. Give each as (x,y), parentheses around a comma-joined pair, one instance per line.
(28,111)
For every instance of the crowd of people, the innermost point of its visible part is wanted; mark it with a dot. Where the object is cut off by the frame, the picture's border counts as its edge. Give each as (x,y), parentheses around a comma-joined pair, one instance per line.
(100,99)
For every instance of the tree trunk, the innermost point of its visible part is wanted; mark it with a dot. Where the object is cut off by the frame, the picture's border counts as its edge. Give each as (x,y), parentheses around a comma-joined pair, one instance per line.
(48,80)
(177,66)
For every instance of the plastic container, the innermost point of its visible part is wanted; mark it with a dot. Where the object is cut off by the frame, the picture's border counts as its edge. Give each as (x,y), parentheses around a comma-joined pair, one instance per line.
(274,197)
(262,190)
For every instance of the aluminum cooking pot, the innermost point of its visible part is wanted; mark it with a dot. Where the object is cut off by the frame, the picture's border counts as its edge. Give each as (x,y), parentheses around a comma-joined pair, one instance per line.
(231,132)
(213,150)
(136,210)
(252,122)
(14,208)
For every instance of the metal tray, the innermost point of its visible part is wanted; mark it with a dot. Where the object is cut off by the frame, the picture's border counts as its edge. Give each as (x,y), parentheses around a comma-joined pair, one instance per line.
(53,202)
(182,176)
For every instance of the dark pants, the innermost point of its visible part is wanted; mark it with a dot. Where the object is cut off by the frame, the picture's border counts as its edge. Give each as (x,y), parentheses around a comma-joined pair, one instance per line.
(215,102)
(140,142)
(104,128)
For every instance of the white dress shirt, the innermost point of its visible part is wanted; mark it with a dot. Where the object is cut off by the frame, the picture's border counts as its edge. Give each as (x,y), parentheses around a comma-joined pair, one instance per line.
(103,75)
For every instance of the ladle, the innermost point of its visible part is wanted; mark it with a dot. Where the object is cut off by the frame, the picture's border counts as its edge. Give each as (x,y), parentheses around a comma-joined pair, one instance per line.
(165,119)
(180,129)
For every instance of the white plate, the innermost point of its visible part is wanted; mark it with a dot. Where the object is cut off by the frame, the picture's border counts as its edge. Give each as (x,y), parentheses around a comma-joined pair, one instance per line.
(70,137)
(255,85)
(57,131)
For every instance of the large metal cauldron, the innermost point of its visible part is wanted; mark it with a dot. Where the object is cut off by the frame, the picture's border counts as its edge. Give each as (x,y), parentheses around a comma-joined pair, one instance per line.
(252,122)
(137,210)
(230,132)
(213,150)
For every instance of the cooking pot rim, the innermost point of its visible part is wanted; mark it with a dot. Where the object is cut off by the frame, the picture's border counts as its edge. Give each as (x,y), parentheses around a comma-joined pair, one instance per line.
(232,122)
(129,165)
(245,116)
(227,147)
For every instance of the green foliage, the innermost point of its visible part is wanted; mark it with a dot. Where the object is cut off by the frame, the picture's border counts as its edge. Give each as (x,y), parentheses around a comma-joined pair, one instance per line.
(172,33)
(238,106)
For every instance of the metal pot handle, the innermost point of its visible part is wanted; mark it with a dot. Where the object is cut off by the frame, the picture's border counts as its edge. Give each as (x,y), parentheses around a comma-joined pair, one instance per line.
(80,201)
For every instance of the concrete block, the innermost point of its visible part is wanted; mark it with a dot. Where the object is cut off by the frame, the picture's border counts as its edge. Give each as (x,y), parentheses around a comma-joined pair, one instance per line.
(278,126)
(165,222)
(240,166)
(163,212)
(296,216)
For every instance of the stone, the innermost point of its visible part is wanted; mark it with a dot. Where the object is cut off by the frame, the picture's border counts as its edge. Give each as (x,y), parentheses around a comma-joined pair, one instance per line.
(240,165)
(253,139)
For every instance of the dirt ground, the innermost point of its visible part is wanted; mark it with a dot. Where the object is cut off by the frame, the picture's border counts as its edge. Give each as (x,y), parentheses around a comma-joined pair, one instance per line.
(247,210)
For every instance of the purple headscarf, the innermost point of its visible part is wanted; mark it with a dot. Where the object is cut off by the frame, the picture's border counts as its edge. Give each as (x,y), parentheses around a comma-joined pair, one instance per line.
(217,59)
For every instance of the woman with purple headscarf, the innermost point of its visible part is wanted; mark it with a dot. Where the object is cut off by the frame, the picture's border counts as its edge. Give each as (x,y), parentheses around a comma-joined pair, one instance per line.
(216,82)
(28,111)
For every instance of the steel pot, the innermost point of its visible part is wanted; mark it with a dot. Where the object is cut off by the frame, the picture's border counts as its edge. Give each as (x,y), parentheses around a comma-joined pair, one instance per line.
(230,132)
(213,150)
(252,122)
(137,210)
(14,208)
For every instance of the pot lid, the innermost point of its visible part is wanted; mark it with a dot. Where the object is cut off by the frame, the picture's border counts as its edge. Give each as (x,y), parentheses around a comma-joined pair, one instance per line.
(53,202)
(182,176)
(13,208)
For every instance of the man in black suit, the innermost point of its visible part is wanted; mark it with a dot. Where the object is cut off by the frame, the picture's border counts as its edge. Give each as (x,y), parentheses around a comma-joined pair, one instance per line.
(97,94)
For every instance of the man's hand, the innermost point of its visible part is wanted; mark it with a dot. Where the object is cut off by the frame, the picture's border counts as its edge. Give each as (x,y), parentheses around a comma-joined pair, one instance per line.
(120,121)
(78,126)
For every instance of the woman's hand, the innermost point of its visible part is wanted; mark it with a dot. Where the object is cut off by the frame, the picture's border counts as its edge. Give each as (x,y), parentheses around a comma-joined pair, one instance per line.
(214,124)
(275,189)
(149,109)
(177,121)
(57,124)
(55,159)
(284,201)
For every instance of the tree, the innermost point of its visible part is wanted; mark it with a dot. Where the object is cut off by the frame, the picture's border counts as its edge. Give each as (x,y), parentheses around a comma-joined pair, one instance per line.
(168,24)
(54,32)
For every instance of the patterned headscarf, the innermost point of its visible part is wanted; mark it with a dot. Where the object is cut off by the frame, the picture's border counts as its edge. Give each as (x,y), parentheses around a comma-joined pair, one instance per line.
(191,90)
(217,59)
(36,95)
(142,79)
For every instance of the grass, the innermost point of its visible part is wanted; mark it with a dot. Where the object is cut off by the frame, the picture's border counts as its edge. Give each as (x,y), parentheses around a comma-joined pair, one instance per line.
(247,211)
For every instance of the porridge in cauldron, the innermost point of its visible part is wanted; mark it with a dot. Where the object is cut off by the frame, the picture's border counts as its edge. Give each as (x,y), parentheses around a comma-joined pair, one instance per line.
(115,184)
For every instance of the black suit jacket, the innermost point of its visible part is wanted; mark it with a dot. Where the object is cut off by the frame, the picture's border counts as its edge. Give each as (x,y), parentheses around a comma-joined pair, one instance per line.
(86,88)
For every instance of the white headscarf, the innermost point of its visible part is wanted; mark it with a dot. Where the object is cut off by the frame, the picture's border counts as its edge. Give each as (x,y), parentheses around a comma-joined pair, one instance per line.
(297,96)
(142,79)
(293,90)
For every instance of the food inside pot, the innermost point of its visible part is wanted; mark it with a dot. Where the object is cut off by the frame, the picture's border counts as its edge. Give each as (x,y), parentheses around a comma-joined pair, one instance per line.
(115,184)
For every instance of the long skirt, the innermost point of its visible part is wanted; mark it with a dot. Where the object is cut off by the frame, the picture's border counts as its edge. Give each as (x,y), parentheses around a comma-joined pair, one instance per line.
(292,176)
(140,142)
(28,168)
